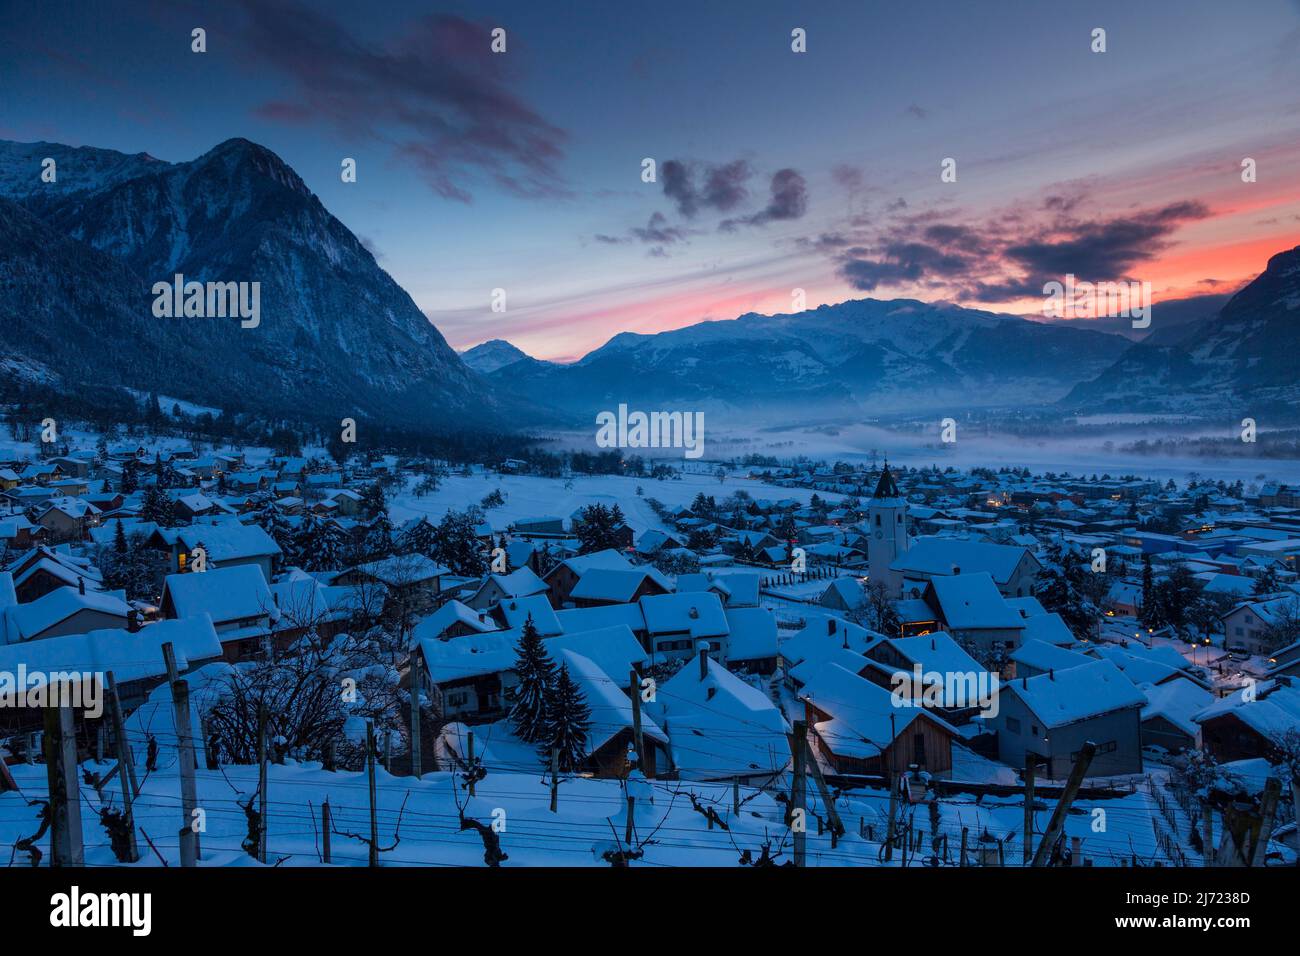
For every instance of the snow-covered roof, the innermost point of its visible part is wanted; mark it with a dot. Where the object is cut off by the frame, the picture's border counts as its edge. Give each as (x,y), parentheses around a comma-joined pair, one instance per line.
(611,709)
(753,633)
(470,655)
(402,569)
(938,556)
(228,541)
(973,601)
(699,614)
(517,610)
(615,650)
(615,585)
(720,726)
(22,622)
(574,620)
(1270,708)
(864,717)
(1066,697)
(453,612)
(1045,656)
(129,655)
(935,652)
(226,594)
(1178,702)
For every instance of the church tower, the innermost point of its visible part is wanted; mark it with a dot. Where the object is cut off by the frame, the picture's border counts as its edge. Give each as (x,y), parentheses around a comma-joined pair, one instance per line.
(887,536)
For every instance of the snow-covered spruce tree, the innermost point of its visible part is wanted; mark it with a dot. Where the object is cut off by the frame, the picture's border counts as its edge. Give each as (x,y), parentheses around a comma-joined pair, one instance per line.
(568,719)
(536,673)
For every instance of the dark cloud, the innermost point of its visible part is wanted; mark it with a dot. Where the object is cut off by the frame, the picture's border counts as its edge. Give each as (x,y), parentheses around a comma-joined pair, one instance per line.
(1008,256)
(436,95)
(1108,249)
(724,185)
(656,231)
(789,201)
(850,177)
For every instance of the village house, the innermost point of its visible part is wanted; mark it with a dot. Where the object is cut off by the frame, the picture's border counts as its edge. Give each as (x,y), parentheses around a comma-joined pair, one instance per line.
(1248,722)
(860,729)
(236,598)
(67,519)
(65,610)
(1013,569)
(226,543)
(521,582)
(971,609)
(599,586)
(676,624)
(1249,624)
(1052,715)
(721,728)
(44,569)
(562,578)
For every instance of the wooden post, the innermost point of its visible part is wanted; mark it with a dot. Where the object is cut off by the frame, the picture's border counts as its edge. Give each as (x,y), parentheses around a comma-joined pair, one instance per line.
(735,796)
(631,811)
(555,779)
(837,826)
(125,767)
(636,722)
(1057,821)
(798,800)
(1267,814)
(185,761)
(893,811)
(169,657)
(963,846)
(263,811)
(416,769)
(469,760)
(125,758)
(326,823)
(1029,808)
(66,848)
(370,773)
(205,738)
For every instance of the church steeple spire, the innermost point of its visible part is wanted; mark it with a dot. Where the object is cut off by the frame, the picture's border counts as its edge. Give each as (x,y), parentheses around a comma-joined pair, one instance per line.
(886,487)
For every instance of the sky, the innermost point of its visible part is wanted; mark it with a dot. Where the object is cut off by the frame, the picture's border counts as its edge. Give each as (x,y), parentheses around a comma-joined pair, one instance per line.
(775,170)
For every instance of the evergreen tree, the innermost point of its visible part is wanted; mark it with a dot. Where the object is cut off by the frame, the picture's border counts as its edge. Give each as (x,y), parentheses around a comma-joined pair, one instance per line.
(536,673)
(373,502)
(155,506)
(568,719)
(458,547)
(419,538)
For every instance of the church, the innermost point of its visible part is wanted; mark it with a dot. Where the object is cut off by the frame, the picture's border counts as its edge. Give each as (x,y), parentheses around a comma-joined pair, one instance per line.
(888,536)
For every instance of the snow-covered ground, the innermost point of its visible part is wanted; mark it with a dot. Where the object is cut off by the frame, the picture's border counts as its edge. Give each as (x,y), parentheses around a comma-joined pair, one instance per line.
(532,497)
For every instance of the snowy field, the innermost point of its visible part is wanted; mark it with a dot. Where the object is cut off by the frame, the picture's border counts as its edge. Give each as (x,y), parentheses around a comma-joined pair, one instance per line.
(532,497)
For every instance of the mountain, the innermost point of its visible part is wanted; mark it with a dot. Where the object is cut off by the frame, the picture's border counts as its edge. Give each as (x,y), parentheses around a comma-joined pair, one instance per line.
(1240,360)
(1171,321)
(337,337)
(861,357)
(493,355)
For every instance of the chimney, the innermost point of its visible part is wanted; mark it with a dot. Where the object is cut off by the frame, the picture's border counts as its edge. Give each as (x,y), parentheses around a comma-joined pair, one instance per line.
(1024,682)
(830,625)
(956,569)
(132,621)
(1051,673)
(932,644)
(704,660)
(694,613)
